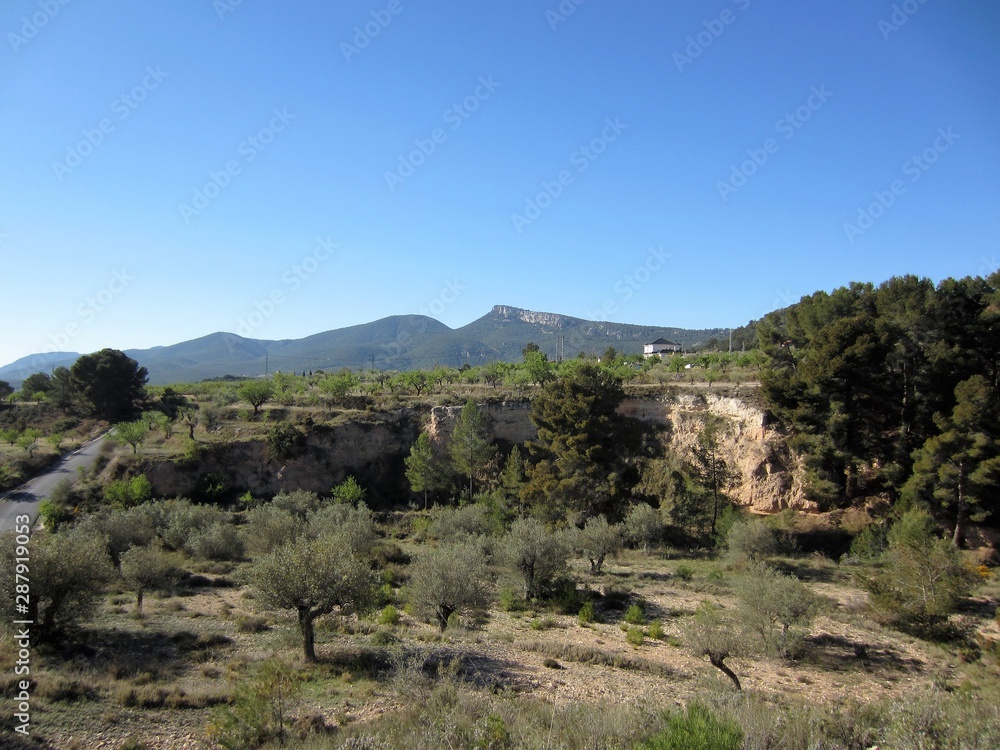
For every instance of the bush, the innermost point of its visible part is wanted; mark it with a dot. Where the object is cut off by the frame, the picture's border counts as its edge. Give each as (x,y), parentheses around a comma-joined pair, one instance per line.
(220,541)
(696,729)
(148,568)
(870,544)
(656,630)
(125,493)
(284,441)
(777,607)
(388,616)
(923,577)
(183,520)
(586,615)
(751,540)
(635,637)
(635,615)
(643,526)
(355,526)
(453,524)
(684,572)
(269,526)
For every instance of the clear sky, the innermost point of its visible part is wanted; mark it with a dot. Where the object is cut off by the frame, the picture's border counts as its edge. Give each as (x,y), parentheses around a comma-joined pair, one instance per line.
(276,169)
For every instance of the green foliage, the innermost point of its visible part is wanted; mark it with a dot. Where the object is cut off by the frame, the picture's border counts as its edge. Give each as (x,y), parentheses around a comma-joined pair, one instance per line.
(284,440)
(469,447)
(643,526)
(922,578)
(684,572)
(256,393)
(131,433)
(68,574)
(655,630)
(426,471)
(183,521)
(712,632)
(587,615)
(475,519)
(127,493)
(448,581)
(146,569)
(585,458)
(220,541)
(751,540)
(634,615)
(597,540)
(698,728)
(260,709)
(534,555)
(312,577)
(348,492)
(388,616)
(111,384)
(870,543)
(778,608)
(635,637)
(269,526)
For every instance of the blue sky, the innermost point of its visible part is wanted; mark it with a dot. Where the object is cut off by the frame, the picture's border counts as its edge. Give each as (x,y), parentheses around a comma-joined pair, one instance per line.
(278,169)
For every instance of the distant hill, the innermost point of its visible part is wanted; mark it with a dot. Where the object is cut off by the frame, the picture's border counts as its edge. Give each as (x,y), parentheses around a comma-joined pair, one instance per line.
(400,342)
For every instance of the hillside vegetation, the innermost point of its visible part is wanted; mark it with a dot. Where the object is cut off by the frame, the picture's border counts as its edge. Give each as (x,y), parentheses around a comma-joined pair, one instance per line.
(589,586)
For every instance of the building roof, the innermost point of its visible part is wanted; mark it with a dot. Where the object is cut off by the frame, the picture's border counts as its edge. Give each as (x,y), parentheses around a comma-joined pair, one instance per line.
(663,342)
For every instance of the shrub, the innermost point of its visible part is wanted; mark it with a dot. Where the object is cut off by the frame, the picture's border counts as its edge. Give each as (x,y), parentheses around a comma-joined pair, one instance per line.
(870,544)
(183,520)
(751,540)
(684,572)
(776,607)
(635,637)
(635,615)
(348,492)
(220,541)
(284,441)
(586,614)
(148,568)
(388,616)
(696,729)
(923,577)
(656,630)
(269,526)
(125,493)
(453,524)
(643,526)
(354,526)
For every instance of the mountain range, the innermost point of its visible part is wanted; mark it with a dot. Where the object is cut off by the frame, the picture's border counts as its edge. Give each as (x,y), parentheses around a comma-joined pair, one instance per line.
(399,342)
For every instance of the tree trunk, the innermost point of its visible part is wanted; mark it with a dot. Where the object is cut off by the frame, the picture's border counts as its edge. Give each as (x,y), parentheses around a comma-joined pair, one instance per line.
(719,663)
(958,538)
(308,636)
(138,601)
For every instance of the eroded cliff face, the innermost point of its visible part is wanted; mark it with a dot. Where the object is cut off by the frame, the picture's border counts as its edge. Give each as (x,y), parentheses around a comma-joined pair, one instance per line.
(768,476)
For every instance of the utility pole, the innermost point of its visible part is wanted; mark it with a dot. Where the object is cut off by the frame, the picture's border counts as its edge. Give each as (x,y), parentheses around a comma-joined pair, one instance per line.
(265,365)
(730,340)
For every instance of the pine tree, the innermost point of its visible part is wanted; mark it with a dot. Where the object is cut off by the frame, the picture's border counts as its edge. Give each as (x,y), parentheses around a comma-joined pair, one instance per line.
(470,449)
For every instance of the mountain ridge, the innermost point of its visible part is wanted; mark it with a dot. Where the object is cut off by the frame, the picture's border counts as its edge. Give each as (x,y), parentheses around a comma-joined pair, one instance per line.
(395,342)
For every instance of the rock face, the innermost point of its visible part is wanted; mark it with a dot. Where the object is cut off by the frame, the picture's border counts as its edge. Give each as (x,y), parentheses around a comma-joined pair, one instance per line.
(373,451)
(768,476)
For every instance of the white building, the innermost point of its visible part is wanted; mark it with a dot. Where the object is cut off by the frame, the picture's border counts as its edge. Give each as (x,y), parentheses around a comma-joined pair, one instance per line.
(660,347)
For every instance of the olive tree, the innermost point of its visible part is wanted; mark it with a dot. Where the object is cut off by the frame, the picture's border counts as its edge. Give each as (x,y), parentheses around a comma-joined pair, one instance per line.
(534,555)
(312,577)
(712,632)
(68,574)
(776,607)
(449,579)
(597,540)
(148,568)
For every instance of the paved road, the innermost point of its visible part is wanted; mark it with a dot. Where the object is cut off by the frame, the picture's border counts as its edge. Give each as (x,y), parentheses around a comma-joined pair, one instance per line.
(25,499)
